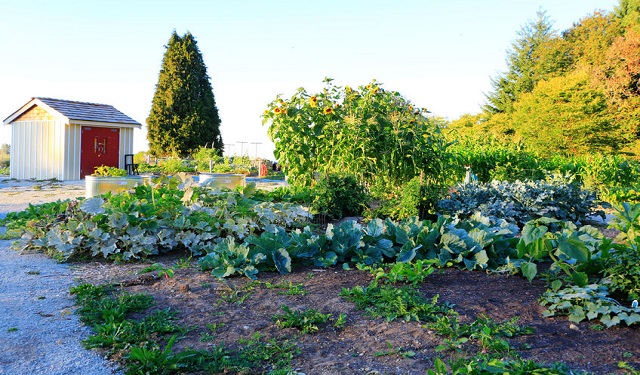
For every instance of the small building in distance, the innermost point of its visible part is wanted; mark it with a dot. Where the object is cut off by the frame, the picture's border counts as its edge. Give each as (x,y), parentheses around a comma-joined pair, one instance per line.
(67,140)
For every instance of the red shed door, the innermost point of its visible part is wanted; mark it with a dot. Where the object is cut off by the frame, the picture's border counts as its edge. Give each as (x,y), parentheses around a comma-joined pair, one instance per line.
(100,146)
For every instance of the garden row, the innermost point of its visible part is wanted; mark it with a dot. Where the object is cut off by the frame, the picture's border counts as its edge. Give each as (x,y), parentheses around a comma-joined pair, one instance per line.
(249,231)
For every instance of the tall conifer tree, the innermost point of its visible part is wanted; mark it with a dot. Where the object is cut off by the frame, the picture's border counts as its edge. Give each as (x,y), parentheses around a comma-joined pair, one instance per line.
(522,58)
(183,114)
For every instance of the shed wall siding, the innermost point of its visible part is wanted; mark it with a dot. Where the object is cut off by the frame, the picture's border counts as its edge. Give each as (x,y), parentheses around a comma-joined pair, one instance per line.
(126,144)
(73,152)
(36,150)
(35,114)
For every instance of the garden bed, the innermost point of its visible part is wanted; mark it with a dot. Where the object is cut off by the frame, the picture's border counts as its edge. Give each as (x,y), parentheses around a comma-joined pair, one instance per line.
(242,308)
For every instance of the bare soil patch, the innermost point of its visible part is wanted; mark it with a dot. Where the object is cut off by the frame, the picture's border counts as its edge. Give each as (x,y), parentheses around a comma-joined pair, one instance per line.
(242,309)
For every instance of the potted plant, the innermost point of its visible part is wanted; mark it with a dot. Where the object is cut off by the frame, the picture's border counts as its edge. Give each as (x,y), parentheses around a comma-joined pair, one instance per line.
(110,179)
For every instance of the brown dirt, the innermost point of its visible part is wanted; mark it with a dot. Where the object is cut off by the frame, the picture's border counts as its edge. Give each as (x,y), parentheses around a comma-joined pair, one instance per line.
(200,300)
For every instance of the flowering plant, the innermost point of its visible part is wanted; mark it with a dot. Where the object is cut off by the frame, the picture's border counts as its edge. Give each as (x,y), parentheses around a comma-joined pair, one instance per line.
(374,134)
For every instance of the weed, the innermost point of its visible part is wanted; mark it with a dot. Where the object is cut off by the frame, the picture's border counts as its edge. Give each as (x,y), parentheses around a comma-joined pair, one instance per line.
(207,337)
(167,272)
(277,353)
(291,289)
(306,321)
(213,328)
(483,331)
(483,365)
(138,342)
(42,297)
(238,295)
(12,329)
(33,272)
(392,351)
(341,321)
(625,366)
(183,263)
(391,302)
(410,273)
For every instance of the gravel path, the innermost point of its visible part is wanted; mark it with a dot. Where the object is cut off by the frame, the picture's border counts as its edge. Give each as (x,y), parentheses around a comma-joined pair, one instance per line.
(39,332)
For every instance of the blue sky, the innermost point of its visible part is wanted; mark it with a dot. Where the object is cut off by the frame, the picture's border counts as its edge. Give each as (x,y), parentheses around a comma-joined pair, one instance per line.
(439,54)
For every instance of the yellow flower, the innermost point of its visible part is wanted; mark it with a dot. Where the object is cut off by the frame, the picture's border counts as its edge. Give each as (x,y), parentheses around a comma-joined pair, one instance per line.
(410,107)
(375,90)
(266,111)
(278,111)
(368,87)
(347,89)
(328,110)
(313,101)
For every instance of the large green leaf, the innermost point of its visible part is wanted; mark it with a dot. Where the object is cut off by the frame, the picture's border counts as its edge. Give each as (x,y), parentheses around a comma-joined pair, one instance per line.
(328,259)
(573,248)
(531,233)
(534,250)
(632,318)
(452,243)
(529,270)
(482,258)
(367,255)
(407,252)
(579,278)
(481,237)
(282,261)
(428,238)
(576,314)
(93,206)
(374,228)
(470,264)
(610,320)
(386,247)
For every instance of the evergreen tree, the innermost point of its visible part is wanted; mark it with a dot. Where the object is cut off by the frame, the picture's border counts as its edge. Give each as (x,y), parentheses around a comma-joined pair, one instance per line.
(522,62)
(183,114)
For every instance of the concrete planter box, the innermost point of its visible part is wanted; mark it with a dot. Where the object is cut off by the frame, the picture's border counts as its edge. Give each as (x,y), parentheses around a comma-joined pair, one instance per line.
(220,180)
(96,185)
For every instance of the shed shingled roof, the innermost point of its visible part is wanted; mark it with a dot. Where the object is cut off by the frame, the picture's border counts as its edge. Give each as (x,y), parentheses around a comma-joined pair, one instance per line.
(88,111)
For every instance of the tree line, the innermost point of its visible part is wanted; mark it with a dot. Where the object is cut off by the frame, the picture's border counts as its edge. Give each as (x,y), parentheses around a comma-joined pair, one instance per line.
(571,92)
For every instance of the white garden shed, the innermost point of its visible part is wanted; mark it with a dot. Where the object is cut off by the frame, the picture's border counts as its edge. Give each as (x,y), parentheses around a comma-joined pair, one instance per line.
(66,140)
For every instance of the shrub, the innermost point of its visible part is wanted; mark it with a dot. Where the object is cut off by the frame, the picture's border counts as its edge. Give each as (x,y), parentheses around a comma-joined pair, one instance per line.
(415,198)
(171,166)
(205,158)
(338,196)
